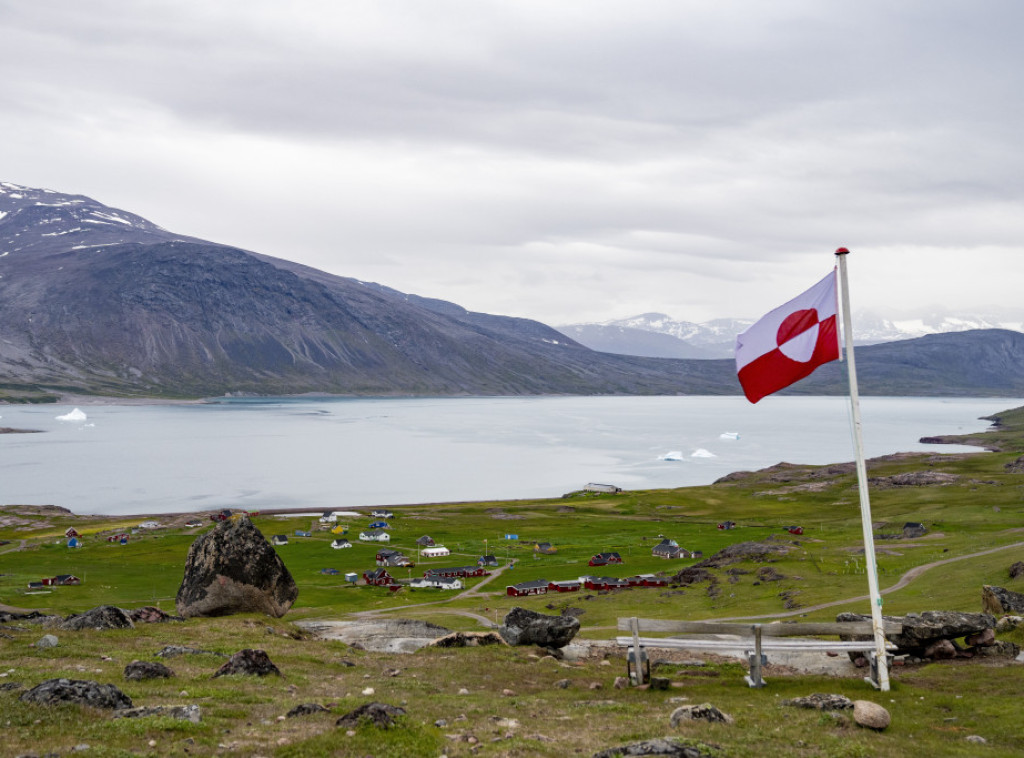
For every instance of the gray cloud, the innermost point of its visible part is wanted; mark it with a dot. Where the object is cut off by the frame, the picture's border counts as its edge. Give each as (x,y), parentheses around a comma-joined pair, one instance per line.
(563,161)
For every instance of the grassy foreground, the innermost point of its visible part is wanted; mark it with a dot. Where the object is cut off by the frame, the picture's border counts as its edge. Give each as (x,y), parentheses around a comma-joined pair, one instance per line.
(504,701)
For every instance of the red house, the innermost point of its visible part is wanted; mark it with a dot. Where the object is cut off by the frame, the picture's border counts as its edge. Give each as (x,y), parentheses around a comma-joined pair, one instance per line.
(458,571)
(379,577)
(535,587)
(603,559)
(572,585)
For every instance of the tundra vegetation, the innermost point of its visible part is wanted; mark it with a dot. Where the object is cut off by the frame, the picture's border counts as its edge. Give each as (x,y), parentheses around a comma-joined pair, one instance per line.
(517,701)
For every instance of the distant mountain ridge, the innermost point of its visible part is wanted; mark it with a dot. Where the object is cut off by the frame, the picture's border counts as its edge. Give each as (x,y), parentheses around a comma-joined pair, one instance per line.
(658,335)
(97,300)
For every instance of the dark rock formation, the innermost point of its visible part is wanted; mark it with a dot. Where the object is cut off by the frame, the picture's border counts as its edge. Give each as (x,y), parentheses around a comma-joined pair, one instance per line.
(306,709)
(913,479)
(667,747)
(1016,467)
(1017,570)
(233,569)
(83,692)
(694,575)
(922,630)
(379,714)
(999,601)
(468,639)
(758,552)
(102,617)
(250,663)
(150,615)
(147,670)
(525,627)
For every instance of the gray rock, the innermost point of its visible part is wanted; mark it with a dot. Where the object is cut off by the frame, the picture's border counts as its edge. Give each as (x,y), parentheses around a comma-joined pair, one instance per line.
(83,692)
(940,650)
(998,649)
(306,709)
(668,747)
(921,630)
(870,715)
(468,639)
(47,640)
(1001,601)
(138,670)
(248,662)
(1017,569)
(702,712)
(378,714)
(173,651)
(982,639)
(233,569)
(821,702)
(181,712)
(1009,623)
(102,617)
(525,627)
(151,615)
(976,739)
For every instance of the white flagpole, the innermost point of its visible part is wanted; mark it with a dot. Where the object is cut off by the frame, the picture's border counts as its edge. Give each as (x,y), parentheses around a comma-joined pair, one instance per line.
(862,485)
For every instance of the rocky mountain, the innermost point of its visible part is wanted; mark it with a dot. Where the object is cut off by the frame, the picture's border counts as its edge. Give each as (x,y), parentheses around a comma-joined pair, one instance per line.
(660,336)
(98,300)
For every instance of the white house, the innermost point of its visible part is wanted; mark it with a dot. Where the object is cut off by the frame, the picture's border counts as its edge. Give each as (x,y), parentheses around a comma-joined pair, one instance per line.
(328,518)
(382,514)
(437,551)
(149,525)
(375,535)
(437,582)
(340,543)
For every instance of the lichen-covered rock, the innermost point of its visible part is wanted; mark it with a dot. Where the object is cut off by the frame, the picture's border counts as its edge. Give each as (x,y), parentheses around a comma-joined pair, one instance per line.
(1000,601)
(663,747)
(305,709)
(233,569)
(871,715)
(101,617)
(138,670)
(525,627)
(378,714)
(248,662)
(702,712)
(922,629)
(80,691)
(821,702)
(181,712)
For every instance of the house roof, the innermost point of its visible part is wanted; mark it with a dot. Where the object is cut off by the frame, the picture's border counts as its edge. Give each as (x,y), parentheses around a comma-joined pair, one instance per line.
(531,584)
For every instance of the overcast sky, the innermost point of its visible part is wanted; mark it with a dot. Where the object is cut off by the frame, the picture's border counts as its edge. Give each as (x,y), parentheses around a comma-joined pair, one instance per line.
(564,161)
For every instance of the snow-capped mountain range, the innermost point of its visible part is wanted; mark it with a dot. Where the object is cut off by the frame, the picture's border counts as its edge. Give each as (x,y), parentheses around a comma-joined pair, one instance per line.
(660,336)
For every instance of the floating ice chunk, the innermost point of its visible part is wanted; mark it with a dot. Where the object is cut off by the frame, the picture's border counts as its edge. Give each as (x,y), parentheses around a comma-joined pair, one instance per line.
(729,435)
(673,455)
(702,453)
(75,415)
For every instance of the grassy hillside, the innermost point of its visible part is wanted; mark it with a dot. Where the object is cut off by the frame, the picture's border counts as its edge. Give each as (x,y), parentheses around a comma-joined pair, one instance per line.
(973,506)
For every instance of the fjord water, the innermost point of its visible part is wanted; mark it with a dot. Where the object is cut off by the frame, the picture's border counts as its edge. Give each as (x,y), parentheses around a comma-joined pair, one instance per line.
(335,453)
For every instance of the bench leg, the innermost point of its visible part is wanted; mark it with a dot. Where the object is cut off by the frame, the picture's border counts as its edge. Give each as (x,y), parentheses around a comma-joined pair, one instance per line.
(638,666)
(755,660)
(873,678)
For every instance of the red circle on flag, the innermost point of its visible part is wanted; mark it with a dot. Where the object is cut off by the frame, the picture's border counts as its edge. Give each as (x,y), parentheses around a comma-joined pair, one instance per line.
(797,336)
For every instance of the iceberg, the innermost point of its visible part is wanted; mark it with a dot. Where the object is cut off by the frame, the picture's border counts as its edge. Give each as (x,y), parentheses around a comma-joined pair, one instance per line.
(674,455)
(75,415)
(702,453)
(729,435)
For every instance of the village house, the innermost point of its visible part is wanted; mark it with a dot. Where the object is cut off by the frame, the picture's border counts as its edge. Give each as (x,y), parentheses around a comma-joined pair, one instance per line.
(437,551)
(339,529)
(224,515)
(381,514)
(374,535)
(378,577)
(192,523)
(598,583)
(535,587)
(487,560)
(571,585)
(122,538)
(603,559)
(669,549)
(70,532)
(544,548)
(279,539)
(328,517)
(340,542)
(149,525)
(425,541)
(458,571)
(389,557)
(436,582)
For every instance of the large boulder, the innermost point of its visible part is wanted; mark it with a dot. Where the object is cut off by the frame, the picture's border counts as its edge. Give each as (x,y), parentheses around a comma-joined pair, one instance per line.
(1000,602)
(101,617)
(80,691)
(525,627)
(233,569)
(920,630)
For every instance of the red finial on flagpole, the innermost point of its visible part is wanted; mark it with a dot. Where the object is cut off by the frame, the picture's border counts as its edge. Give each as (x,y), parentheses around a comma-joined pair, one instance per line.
(842,251)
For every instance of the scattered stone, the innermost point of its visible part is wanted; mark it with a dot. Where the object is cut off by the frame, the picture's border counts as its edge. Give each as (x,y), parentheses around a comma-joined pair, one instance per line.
(870,715)
(83,692)
(47,640)
(233,569)
(441,723)
(463,691)
(146,670)
(668,747)
(976,739)
(702,712)
(173,651)
(660,683)
(102,617)
(368,691)
(998,649)
(1000,601)
(508,693)
(248,662)
(306,709)
(821,702)
(182,712)
(1016,467)
(563,684)
(525,627)
(151,615)
(620,683)
(379,714)
(10,686)
(468,639)
(595,686)
(769,574)
(1017,570)
(1009,623)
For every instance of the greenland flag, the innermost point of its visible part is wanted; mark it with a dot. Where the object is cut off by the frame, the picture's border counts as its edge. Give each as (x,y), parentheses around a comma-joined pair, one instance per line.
(790,342)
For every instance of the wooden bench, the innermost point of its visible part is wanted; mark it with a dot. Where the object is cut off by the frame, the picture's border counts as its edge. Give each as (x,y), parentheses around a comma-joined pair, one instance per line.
(753,639)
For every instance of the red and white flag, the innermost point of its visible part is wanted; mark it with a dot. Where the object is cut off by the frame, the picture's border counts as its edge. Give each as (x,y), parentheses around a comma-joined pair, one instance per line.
(790,342)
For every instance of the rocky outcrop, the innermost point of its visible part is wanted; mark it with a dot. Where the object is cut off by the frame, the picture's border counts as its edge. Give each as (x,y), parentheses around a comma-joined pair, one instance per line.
(702,712)
(233,569)
(150,615)
(1017,570)
(248,662)
(80,691)
(758,552)
(525,627)
(1000,601)
(380,715)
(179,712)
(662,747)
(821,702)
(922,631)
(1016,466)
(147,670)
(102,617)
(468,639)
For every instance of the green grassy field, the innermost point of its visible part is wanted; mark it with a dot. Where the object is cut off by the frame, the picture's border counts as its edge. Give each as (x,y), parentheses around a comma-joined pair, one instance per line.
(934,707)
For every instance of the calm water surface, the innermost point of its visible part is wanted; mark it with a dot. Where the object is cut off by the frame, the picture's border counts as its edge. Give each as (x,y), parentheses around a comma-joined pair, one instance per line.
(336,453)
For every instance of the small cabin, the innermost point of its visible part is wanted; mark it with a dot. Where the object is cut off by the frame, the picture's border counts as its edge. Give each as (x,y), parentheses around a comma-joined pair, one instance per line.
(279,539)
(425,541)
(487,561)
(544,548)
(603,559)
(375,535)
(438,551)
(380,513)
(436,582)
(340,543)
(523,589)
(70,532)
(378,577)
